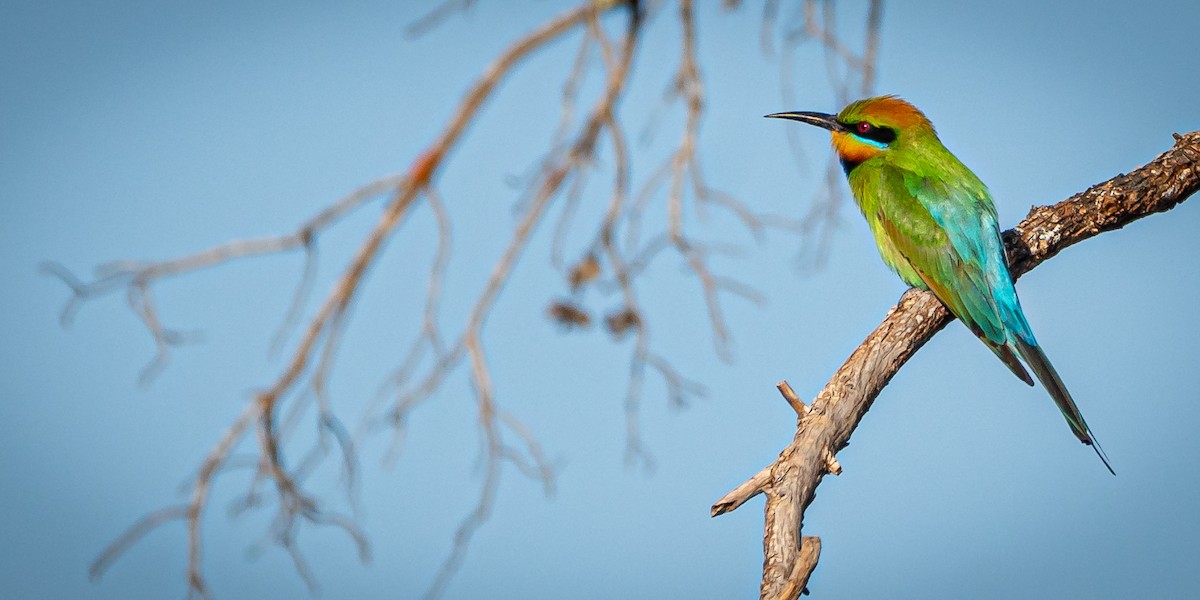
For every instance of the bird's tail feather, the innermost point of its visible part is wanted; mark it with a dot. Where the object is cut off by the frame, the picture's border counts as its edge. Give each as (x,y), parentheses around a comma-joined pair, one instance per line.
(1041,367)
(1009,359)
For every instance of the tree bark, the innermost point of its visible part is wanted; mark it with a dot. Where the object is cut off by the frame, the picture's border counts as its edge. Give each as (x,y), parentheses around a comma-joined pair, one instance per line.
(790,482)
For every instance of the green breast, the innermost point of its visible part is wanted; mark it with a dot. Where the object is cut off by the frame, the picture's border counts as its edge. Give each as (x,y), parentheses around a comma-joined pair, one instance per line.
(879,191)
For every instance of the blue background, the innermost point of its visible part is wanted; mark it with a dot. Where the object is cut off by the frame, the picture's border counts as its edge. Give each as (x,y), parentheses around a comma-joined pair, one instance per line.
(151,130)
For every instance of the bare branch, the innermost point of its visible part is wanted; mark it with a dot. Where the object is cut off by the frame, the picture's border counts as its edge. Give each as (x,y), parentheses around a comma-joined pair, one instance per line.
(743,492)
(138,276)
(436,16)
(793,399)
(133,535)
(871,51)
(575,151)
(797,581)
(841,62)
(323,332)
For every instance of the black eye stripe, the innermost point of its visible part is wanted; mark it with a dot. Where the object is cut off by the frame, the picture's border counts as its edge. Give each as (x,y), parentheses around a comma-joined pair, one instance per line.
(884,135)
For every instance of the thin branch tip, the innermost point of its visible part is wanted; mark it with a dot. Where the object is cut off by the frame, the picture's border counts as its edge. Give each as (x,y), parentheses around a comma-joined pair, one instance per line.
(739,495)
(793,399)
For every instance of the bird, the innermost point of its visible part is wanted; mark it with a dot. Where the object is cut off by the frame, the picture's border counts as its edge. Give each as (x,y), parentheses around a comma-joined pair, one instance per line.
(935,225)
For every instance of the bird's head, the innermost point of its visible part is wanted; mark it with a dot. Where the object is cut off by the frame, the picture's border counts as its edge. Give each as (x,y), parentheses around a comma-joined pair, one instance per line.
(868,128)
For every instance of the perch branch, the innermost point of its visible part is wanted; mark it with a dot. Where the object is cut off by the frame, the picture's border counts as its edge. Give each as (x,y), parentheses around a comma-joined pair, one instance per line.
(836,411)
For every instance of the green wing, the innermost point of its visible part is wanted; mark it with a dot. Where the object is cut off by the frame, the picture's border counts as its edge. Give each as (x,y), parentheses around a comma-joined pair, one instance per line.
(947,235)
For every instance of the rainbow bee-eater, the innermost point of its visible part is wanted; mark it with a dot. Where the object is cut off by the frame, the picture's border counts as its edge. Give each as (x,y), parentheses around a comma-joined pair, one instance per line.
(935,225)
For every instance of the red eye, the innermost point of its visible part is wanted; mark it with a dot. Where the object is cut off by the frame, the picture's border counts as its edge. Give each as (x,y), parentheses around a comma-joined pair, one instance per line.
(864,127)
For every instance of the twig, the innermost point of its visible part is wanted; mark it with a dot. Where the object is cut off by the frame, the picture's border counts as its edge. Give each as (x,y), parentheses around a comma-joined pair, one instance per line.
(785,389)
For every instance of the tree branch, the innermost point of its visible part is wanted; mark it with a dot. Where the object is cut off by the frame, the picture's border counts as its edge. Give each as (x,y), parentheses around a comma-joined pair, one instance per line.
(790,483)
(612,261)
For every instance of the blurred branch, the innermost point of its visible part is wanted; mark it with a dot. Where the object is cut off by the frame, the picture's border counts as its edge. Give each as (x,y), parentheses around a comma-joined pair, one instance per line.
(435,17)
(322,334)
(790,482)
(850,73)
(613,260)
(137,276)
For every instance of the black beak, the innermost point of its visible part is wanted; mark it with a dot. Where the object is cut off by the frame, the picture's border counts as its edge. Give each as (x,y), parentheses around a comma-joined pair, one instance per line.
(821,120)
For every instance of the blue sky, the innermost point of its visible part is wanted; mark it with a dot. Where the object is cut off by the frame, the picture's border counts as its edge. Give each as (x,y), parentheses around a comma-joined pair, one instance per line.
(150,130)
